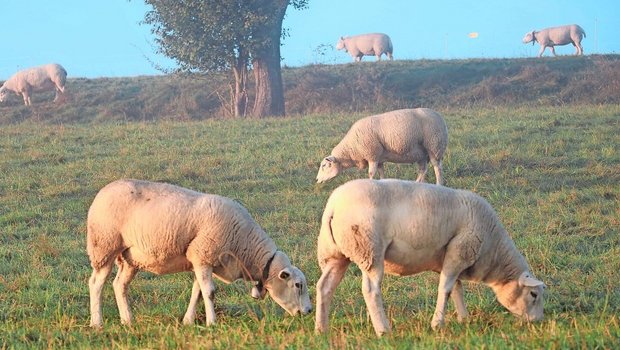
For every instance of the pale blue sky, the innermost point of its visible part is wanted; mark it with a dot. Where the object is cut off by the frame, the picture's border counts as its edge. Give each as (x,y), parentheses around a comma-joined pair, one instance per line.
(103,38)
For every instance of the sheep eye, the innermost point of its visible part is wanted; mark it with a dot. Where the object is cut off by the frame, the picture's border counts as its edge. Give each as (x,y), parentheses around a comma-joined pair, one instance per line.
(534,294)
(298,285)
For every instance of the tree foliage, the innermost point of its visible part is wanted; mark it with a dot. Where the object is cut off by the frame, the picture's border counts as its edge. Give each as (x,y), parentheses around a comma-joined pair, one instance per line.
(214,35)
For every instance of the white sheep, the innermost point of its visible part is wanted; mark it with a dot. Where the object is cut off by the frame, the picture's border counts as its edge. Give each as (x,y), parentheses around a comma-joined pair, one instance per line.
(44,78)
(401,136)
(403,228)
(375,44)
(550,37)
(162,228)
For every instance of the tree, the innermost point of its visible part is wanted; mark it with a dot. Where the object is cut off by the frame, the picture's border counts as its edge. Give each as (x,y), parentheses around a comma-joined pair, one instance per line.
(216,35)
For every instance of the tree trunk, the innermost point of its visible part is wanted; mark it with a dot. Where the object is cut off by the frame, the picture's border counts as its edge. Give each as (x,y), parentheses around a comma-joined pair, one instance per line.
(240,94)
(266,64)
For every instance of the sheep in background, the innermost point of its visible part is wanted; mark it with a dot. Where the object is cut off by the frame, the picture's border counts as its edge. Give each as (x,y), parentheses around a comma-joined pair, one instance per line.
(401,136)
(403,228)
(550,37)
(161,228)
(375,44)
(44,78)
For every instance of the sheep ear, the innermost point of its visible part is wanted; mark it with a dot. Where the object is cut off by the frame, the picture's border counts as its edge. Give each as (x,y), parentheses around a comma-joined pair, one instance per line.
(330,159)
(284,274)
(525,280)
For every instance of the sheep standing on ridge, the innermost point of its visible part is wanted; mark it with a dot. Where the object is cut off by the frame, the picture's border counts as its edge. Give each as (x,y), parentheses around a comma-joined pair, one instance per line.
(550,37)
(163,229)
(403,228)
(44,78)
(401,136)
(375,44)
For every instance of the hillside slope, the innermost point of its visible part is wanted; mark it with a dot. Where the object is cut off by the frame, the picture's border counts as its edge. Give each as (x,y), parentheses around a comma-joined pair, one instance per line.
(363,87)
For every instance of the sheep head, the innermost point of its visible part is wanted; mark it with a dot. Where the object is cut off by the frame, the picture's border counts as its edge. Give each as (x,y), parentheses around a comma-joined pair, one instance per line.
(288,287)
(529,37)
(340,44)
(329,168)
(523,297)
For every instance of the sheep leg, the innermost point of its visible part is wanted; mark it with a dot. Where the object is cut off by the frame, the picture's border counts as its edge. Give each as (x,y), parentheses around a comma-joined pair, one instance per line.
(438,171)
(372,169)
(446,283)
(542,50)
(26,97)
(381,172)
(371,288)
(332,274)
(390,57)
(95,286)
(579,48)
(190,314)
(125,274)
(204,275)
(553,50)
(421,170)
(459,301)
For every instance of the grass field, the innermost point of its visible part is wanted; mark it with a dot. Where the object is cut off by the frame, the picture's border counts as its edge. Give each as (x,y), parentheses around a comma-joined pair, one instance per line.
(552,174)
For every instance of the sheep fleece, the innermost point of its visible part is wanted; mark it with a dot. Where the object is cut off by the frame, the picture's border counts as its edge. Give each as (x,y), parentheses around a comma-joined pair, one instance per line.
(411,223)
(166,226)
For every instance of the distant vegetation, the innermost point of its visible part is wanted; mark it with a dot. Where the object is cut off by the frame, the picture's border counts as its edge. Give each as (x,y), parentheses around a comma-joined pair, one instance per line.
(365,87)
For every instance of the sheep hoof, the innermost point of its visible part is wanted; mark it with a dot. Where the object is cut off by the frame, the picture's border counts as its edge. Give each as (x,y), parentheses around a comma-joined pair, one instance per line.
(437,324)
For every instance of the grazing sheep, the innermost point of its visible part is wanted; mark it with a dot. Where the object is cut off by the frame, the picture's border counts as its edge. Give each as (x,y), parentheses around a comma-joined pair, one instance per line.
(401,136)
(366,44)
(550,37)
(44,78)
(161,228)
(403,228)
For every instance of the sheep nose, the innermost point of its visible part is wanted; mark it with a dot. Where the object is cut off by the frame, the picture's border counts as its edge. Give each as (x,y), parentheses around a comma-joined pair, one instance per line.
(307,310)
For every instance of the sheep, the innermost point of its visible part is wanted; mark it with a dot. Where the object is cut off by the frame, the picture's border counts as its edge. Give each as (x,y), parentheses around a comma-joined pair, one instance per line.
(44,78)
(403,228)
(162,228)
(550,37)
(401,136)
(366,44)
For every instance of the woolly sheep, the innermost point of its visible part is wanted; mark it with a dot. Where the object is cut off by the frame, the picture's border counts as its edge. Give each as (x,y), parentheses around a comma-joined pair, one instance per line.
(44,78)
(366,44)
(550,37)
(162,228)
(401,136)
(403,228)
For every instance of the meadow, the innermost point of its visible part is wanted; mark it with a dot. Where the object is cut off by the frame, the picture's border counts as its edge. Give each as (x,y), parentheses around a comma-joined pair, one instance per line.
(551,173)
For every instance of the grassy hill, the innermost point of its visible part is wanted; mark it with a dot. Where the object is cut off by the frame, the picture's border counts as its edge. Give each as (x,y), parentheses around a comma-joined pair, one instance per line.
(551,173)
(537,138)
(362,87)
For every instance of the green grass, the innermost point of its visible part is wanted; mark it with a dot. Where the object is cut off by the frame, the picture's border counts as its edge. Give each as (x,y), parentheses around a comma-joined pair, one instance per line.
(552,174)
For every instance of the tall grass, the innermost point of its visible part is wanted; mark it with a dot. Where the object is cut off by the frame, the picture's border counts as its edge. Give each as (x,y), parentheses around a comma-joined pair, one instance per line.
(551,173)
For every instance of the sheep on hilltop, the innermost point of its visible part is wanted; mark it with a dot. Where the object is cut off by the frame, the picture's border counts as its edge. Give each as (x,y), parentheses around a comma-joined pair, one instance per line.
(44,78)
